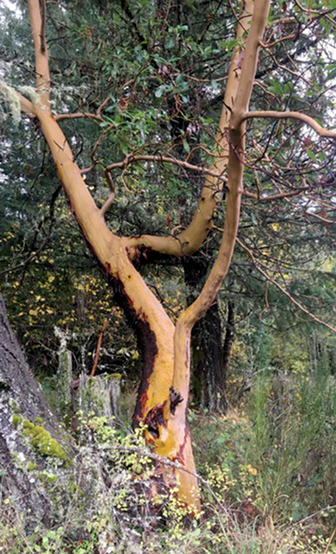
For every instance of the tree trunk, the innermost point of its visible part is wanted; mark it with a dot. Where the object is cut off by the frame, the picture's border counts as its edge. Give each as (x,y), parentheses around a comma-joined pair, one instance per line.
(208,370)
(32,441)
(229,337)
(163,396)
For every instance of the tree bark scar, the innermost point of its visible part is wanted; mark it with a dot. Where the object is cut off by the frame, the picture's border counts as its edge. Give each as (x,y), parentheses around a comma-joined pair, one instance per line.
(154,418)
(147,345)
(175,399)
(179,456)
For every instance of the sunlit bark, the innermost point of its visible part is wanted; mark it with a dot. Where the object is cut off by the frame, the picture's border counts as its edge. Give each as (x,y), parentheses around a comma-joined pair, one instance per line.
(164,389)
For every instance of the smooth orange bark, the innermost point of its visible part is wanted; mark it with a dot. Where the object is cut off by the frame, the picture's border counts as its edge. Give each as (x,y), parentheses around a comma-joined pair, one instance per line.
(164,389)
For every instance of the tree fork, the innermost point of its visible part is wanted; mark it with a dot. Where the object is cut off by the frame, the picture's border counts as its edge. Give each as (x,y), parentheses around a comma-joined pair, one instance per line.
(164,391)
(142,308)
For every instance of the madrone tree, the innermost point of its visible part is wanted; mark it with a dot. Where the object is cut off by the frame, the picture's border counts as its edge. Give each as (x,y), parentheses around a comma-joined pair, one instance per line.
(163,393)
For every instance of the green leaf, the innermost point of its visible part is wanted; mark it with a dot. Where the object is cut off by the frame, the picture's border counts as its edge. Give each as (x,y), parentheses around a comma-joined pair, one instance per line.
(331,75)
(311,154)
(185,145)
(159,91)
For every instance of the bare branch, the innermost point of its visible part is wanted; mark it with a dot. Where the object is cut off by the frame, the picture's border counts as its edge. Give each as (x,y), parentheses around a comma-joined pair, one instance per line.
(236,144)
(77,115)
(42,72)
(291,115)
(107,204)
(166,159)
(283,290)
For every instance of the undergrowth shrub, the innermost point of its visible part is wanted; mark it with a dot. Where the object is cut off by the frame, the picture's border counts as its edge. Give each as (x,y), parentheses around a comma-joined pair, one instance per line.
(266,472)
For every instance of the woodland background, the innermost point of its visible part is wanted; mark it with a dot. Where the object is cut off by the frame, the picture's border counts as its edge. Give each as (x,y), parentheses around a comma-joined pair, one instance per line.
(263,392)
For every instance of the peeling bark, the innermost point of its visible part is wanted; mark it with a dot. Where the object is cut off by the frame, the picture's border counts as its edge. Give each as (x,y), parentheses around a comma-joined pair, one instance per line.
(166,354)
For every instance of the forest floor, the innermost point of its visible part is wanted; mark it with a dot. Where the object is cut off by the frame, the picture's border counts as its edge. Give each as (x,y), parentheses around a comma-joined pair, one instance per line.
(267,473)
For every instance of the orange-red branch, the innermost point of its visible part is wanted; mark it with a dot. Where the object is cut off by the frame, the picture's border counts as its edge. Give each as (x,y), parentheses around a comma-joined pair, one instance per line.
(42,73)
(235,143)
(291,115)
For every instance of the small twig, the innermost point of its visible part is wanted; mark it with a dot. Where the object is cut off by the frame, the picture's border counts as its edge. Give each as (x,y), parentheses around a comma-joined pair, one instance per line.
(94,367)
(283,290)
(330,540)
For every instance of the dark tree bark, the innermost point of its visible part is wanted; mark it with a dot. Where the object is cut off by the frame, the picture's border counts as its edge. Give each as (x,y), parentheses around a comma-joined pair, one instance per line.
(32,441)
(229,336)
(208,369)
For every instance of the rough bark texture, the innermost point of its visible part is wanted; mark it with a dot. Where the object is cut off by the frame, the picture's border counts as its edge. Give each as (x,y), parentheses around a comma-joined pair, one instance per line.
(32,441)
(229,336)
(208,374)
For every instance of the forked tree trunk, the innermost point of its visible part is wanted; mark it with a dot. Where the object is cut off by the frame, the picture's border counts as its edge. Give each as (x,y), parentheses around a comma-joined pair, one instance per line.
(163,395)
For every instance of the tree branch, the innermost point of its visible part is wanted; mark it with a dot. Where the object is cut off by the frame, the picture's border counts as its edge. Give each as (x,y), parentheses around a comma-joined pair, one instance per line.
(165,159)
(236,144)
(42,73)
(283,290)
(107,204)
(77,115)
(291,115)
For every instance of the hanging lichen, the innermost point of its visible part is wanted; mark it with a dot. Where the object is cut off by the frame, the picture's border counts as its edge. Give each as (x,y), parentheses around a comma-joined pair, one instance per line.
(11,98)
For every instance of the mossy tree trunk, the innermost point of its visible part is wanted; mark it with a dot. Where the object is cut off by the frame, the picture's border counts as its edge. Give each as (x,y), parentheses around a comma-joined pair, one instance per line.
(32,441)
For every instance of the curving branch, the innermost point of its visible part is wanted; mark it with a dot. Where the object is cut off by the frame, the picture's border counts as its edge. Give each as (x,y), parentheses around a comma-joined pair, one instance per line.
(291,115)
(107,204)
(282,289)
(165,159)
(236,144)
(78,115)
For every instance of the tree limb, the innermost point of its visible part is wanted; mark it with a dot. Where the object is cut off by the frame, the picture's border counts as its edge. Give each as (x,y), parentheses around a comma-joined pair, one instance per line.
(42,73)
(291,115)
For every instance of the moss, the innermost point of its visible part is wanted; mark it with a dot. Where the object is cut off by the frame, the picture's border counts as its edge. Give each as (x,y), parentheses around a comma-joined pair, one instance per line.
(42,441)
(38,419)
(16,420)
(116,376)
(44,476)
(31,466)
